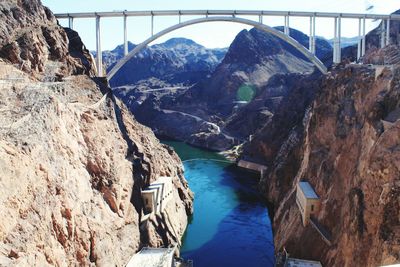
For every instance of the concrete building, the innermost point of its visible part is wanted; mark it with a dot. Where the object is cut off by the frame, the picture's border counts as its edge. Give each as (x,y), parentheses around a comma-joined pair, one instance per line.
(158,257)
(292,262)
(252,166)
(307,201)
(153,257)
(157,195)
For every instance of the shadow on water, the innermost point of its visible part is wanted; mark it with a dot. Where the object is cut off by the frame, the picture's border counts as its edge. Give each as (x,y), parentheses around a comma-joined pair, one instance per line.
(230,225)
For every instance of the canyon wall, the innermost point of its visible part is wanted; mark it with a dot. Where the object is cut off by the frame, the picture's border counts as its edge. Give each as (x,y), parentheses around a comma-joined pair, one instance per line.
(345,143)
(73,159)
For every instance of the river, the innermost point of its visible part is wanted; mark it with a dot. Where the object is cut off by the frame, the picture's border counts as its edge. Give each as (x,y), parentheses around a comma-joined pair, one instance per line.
(230,226)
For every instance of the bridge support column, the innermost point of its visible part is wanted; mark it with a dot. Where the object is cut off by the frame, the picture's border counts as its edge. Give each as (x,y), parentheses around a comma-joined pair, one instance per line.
(71,23)
(359,40)
(363,43)
(388,31)
(125,36)
(311,44)
(383,32)
(286,28)
(337,39)
(339,43)
(260,19)
(99,54)
(152,24)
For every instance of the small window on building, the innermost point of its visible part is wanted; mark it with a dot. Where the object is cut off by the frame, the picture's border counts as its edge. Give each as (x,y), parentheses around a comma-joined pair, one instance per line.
(312,207)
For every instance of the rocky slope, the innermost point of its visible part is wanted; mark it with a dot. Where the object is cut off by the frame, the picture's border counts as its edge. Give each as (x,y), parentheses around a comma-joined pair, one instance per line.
(177,60)
(73,160)
(343,145)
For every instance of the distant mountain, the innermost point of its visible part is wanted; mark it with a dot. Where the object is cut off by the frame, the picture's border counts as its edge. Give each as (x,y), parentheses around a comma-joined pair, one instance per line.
(237,99)
(110,57)
(252,59)
(345,41)
(322,46)
(178,60)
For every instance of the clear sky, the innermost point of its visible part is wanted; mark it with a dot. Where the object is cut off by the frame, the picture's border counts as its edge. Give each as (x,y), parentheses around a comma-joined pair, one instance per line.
(214,34)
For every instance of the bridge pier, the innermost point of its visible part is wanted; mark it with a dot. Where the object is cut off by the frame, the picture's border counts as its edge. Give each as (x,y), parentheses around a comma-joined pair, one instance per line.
(337,40)
(286,28)
(311,43)
(125,36)
(152,24)
(363,39)
(383,32)
(71,23)
(388,31)
(99,53)
(339,43)
(359,40)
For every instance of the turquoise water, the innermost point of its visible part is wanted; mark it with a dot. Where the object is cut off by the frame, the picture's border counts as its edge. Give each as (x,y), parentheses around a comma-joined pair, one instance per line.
(230,226)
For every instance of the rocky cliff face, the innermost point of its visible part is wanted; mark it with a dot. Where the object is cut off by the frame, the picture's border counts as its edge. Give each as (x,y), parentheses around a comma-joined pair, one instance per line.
(31,39)
(177,60)
(346,147)
(73,162)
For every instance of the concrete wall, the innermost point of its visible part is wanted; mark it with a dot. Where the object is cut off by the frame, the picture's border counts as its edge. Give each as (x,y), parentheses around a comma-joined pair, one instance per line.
(252,166)
(157,195)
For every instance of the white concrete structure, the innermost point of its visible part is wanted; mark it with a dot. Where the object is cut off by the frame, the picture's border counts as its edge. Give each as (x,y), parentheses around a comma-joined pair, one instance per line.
(233,16)
(153,257)
(307,201)
(99,54)
(293,262)
(252,166)
(157,195)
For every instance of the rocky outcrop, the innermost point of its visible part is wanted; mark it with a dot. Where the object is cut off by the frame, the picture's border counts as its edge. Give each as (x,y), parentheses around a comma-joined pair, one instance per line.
(73,160)
(31,39)
(343,145)
(177,60)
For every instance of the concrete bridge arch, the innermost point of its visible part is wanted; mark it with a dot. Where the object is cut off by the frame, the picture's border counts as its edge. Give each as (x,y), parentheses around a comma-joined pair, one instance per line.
(255,24)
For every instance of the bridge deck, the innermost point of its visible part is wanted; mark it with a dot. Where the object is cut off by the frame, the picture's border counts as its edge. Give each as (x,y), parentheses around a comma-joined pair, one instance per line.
(224,13)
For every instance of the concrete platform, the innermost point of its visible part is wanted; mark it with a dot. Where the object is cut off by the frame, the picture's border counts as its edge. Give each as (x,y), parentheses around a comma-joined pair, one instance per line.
(252,166)
(293,262)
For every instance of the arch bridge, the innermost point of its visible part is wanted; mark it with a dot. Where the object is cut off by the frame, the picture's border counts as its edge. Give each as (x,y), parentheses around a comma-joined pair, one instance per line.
(234,16)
